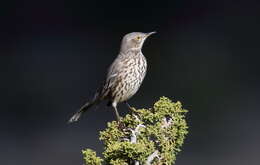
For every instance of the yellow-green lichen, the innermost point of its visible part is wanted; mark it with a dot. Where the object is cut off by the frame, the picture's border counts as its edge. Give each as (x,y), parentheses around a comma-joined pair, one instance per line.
(91,158)
(147,136)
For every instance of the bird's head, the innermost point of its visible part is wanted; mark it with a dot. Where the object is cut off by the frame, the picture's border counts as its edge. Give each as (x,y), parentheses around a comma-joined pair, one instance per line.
(134,40)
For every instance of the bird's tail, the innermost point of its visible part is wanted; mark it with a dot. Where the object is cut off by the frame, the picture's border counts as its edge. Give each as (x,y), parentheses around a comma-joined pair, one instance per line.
(83,109)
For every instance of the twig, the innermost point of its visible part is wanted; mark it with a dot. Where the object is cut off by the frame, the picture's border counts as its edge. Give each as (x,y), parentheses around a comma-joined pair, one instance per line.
(151,157)
(135,132)
(166,123)
(137,163)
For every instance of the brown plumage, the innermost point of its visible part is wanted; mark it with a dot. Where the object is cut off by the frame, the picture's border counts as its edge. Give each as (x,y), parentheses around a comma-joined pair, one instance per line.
(124,76)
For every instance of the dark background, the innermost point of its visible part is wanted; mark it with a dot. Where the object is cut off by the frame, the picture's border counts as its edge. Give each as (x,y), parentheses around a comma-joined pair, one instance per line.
(55,53)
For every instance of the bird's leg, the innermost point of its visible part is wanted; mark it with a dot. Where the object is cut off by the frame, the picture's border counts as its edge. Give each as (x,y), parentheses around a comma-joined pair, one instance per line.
(129,107)
(114,105)
(121,125)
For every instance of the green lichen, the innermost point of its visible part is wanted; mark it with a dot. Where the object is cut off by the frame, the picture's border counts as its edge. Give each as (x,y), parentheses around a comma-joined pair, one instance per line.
(147,136)
(91,158)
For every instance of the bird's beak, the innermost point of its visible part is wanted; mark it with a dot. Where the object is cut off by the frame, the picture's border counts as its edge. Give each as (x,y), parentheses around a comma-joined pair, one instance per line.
(148,34)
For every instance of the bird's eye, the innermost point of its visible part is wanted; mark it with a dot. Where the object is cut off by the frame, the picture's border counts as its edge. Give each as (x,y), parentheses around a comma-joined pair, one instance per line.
(138,37)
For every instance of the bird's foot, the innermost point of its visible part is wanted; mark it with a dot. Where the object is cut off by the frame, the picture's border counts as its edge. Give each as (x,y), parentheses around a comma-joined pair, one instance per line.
(132,109)
(121,125)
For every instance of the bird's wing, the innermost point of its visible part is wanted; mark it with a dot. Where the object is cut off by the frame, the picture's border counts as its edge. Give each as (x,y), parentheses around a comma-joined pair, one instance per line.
(115,67)
(113,74)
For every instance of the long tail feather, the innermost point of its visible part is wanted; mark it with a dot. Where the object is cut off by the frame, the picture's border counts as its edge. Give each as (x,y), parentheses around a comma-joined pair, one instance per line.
(83,109)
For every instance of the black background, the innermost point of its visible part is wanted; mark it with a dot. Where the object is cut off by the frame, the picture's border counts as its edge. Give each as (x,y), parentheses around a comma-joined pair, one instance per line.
(54,55)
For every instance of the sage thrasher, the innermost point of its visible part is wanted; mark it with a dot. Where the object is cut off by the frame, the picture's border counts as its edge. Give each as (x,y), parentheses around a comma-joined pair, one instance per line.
(124,76)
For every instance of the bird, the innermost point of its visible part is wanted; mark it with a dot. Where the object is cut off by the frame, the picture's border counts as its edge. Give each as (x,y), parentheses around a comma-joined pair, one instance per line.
(124,76)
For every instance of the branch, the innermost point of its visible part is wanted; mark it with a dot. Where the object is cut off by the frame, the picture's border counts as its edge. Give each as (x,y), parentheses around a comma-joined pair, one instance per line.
(135,132)
(151,157)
